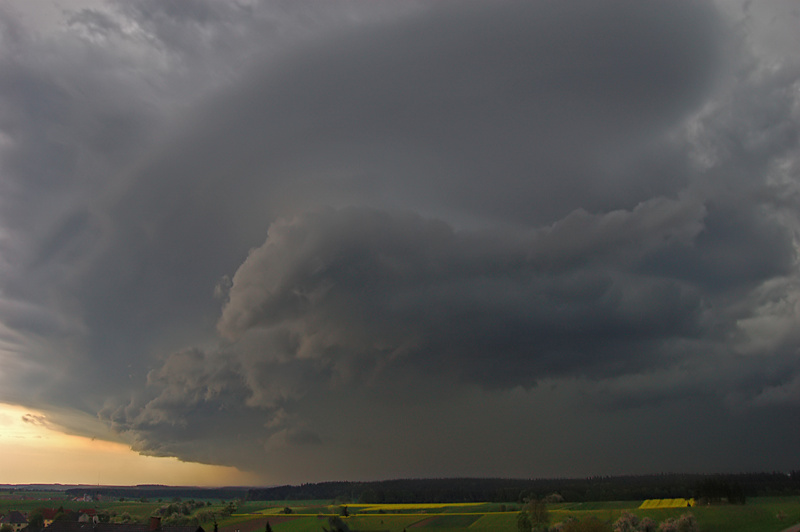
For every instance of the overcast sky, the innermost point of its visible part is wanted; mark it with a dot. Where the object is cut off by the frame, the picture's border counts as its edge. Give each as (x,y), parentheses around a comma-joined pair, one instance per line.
(371,239)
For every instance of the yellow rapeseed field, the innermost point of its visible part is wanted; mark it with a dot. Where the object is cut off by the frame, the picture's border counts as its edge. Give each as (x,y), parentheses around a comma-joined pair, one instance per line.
(653,504)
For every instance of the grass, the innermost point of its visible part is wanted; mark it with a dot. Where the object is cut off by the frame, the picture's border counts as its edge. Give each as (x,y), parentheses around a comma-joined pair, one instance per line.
(490,522)
(590,506)
(453,521)
(382,522)
(301,524)
(250,507)
(758,515)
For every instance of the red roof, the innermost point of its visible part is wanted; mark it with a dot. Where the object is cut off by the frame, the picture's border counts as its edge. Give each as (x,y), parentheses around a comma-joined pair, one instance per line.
(13,518)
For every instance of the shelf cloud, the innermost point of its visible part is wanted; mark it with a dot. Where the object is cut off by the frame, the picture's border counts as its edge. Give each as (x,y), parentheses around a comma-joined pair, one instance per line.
(375,239)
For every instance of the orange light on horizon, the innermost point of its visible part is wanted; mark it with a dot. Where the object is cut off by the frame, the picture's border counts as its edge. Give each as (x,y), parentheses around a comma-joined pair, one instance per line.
(32,452)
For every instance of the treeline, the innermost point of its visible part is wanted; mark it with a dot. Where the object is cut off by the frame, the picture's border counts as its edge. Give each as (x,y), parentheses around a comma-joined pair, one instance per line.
(159,492)
(716,488)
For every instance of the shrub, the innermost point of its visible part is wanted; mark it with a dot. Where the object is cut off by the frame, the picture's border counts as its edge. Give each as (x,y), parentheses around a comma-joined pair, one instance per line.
(647,525)
(205,516)
(629,522)
(684,523)
(124,517)
(177,519)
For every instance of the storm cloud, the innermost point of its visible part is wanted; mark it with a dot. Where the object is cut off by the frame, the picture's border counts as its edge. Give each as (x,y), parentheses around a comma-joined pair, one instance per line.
(370,240)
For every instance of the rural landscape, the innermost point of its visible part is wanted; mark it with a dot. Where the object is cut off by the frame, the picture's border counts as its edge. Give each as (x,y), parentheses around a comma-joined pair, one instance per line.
(399,266)
(463,505)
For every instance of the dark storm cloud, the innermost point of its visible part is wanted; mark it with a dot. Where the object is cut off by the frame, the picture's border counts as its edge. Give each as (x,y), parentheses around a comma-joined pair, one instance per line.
(70,114)
(460,110)
(473,108)
(418,220)
(361,291)
(82,105)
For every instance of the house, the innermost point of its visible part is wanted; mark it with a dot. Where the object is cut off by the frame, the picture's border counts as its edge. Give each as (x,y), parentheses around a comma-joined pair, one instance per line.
(16,520)
(86,515)
(92,526)
(49,514)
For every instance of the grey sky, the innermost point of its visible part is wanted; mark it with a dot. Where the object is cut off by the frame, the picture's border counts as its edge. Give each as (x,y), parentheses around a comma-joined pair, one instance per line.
(351,240)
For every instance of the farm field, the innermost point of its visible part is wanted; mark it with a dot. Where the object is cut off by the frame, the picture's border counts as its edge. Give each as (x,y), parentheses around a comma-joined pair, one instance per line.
(772,514)
(134,508)
(763,514)
(666,503)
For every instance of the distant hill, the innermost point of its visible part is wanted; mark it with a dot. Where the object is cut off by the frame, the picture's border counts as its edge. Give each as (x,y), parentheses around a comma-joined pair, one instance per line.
(37,487)
(149,491)
(637,487)
(160,492)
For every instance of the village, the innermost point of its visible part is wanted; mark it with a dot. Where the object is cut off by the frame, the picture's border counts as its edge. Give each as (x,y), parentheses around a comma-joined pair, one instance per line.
(80,520)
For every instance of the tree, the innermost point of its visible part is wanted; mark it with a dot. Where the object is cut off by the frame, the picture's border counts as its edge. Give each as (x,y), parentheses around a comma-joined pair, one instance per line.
(61,516)
(524,522)
(204,516)
(228,509)
(35,520)
(718,490)
(539,516)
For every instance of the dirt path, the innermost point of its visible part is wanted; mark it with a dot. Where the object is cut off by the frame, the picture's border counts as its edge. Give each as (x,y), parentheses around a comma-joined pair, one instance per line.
(795,528)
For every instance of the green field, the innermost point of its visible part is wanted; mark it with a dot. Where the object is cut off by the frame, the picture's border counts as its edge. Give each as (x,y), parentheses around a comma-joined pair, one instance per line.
(763,514)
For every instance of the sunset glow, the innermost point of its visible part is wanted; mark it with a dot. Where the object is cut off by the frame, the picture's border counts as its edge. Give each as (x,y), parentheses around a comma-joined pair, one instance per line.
(42,455)
(311,241)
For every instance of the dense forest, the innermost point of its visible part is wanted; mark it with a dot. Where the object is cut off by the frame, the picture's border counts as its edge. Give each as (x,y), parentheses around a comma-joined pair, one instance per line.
(733,488)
